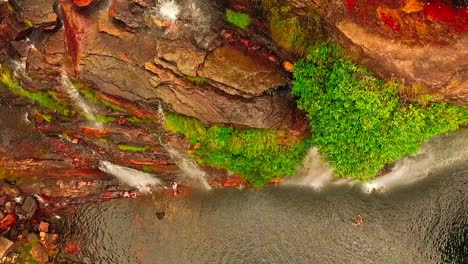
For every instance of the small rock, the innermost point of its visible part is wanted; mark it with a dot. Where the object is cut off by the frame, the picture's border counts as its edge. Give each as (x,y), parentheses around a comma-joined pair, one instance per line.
(8,221)
(39,254)
(288,66)
(5,246)
(82,3)
(71,248)
(9,207)
(75,141)
(160,215)
(11,190)
(30,207)
(43,227)
(2,200)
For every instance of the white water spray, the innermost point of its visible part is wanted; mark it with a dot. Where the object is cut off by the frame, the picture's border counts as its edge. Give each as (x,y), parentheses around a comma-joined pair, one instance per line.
(313,173)
(129,176)
(187,165)
(169,9)
(78,100)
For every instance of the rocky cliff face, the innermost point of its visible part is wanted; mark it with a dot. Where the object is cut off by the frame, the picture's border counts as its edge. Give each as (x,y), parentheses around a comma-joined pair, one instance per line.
(412,41)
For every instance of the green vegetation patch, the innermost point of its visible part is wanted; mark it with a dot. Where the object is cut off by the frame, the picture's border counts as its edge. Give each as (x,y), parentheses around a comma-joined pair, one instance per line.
(239,19)
(133,148)
(256,154)
(197,80)
(28,23)
(46,99)
(291,32)
(358,122)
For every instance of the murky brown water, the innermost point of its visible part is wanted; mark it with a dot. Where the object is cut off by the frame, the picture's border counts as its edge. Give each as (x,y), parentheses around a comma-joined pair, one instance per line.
(426,222)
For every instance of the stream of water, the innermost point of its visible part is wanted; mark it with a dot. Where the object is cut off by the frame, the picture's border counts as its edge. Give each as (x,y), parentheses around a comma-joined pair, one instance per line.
(423,221)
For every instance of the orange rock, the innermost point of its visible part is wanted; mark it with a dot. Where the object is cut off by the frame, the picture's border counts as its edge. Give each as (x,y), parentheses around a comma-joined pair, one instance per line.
(90,131)
(413,6)
(288,66)
(71,248)
(197,145)
(8,221)
(234,181)
(276,180)
(82,3)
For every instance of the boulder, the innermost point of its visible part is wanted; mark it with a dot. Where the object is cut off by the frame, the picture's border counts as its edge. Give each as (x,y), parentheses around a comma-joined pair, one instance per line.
(39,253)
(8,221)
(128,12)
(5,246)
(38,13)
(43,227)
(183,53)
(248,75)
(29,206)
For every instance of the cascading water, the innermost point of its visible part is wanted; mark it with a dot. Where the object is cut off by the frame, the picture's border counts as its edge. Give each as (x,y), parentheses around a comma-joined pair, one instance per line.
(78,100)
(129,176)
(169,10)
(187,165)
(440,152)
(313,173)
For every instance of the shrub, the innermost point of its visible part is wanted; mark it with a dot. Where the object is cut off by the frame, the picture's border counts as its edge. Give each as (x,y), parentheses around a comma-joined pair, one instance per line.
(238,19)
(197,80)
(256,154)
(358,121)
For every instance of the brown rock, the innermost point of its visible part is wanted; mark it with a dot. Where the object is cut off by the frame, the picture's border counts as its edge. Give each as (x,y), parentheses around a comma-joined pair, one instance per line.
(11,190)
(442,68)
(29,206)
(38,13)
(43,227)
(5,246)
(181,52)
(39,254)
(128,12)
(248,75)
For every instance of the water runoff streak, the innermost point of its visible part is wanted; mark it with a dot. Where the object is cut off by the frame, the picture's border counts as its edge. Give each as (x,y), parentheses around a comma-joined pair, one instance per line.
(187,165)
(129,176)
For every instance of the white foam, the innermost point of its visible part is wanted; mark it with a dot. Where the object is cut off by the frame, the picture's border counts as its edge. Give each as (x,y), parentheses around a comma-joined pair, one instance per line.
(169,10)
(129,176)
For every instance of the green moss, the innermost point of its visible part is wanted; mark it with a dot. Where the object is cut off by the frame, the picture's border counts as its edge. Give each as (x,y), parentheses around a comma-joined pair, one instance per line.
(197,80)
(133,148)
(46,99)
(137,120)
(28,23)
(358,121)
(239,19)
(255,153)
(293,33)
(149,169)
(47,118)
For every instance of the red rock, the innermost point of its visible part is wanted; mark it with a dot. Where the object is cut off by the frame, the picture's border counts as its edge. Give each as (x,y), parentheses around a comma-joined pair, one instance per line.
(234,182)
(82,3)
(71,248)
(244,41)
(90,131)
(8,221)
(272,58)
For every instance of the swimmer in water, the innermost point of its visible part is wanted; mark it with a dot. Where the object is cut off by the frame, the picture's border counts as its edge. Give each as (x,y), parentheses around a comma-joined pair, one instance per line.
(359,221)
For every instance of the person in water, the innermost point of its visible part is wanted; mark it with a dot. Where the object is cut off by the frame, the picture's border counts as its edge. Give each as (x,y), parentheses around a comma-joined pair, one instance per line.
(174,188)
(359,221)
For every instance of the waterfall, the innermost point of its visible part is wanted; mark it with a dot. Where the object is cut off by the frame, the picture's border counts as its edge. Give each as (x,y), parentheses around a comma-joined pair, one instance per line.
(439,153)
(169,10)
(313,172)
(78,100)
(187,165)
(129,176)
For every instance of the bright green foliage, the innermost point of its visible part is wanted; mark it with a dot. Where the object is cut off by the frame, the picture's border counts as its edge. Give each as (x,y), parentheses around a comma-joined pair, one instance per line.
(197,80)
(358,122)
(237,18)
(45,99)
(133,148)
(137,120)
(256,154)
